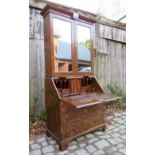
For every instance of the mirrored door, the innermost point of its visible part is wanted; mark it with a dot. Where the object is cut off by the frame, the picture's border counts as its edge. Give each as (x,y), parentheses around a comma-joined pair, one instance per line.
(62,45)
(83,49)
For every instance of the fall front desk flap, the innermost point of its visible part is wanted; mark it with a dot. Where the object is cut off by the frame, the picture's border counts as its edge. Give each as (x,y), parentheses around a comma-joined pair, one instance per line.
(85,100)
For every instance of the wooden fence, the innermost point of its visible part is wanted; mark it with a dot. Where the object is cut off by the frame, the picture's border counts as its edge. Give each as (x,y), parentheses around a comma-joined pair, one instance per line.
(110,60)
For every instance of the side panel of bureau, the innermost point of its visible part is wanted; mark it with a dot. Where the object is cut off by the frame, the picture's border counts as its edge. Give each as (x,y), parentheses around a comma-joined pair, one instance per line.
(53,109)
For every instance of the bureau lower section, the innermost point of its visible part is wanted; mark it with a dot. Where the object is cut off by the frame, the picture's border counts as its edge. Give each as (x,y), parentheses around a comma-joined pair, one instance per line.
(76,122)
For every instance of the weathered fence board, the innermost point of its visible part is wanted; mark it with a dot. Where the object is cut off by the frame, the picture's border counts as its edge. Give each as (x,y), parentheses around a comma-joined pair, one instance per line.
(112,33)
(36,74)
(110,60)
(36,24)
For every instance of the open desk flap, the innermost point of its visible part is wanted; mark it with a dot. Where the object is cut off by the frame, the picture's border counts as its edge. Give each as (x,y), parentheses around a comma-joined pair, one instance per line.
(85,100)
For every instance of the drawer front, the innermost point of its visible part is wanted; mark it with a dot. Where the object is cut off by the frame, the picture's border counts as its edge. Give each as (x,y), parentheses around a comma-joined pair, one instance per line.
(66,108)
(93,121)
(75,126)
(72,129)
(69,113)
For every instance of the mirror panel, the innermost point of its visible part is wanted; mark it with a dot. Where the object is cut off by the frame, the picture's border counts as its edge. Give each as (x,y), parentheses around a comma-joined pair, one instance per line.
(83,49)
(62,45)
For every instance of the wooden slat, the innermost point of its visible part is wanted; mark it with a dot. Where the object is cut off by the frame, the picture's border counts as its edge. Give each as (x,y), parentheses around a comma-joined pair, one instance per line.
(36,72)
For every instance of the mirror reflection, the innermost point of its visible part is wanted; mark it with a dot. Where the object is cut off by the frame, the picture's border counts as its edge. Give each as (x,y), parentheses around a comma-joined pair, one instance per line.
(84,57)
(62,45)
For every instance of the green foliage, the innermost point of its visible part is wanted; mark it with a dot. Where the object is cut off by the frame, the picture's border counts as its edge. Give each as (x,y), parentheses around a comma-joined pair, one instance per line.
(41,115)
(32,118)
(40,96)
(86,44)
(35,102)
(115,90)
(37,99)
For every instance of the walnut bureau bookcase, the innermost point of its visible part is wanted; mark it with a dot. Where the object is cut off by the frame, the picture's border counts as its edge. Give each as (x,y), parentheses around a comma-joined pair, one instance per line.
(75,101)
